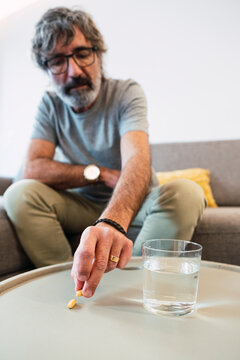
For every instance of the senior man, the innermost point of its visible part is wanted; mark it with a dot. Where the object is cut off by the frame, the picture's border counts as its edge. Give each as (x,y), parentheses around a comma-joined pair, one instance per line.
(102,181)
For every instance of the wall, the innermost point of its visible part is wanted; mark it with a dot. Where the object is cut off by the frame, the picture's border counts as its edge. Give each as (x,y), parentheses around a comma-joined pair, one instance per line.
(184,53)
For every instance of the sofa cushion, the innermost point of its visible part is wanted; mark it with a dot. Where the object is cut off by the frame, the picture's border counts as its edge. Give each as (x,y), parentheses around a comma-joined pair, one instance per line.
(198,175)
(13,257)
(223,220)
(219,234)
(220,157)
(5,182)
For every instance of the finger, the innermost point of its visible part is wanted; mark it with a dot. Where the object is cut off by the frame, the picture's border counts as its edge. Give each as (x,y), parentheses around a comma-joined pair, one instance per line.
(125,255)
(84,256)
(98,269)
(115,252)
(78,285)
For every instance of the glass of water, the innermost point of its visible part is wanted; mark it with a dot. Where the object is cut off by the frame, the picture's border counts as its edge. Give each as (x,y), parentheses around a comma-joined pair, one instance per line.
(170,276)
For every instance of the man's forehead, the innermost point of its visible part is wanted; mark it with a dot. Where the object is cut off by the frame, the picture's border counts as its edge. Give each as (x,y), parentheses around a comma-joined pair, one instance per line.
(78,40)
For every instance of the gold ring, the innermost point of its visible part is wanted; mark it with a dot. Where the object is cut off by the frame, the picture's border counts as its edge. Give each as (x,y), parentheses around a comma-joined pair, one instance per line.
(114,258)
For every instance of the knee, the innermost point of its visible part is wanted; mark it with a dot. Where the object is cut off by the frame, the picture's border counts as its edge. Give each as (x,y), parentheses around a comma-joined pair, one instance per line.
(186,198)
(19,196)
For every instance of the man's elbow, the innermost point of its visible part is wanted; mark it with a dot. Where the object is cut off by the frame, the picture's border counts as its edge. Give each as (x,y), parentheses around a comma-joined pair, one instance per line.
(28,171)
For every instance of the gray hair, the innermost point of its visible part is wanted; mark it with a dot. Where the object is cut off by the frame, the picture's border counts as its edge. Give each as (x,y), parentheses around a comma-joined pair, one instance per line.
(58,24)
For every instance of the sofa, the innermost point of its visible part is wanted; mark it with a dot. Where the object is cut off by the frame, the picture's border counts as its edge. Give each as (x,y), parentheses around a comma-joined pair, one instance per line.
(218,230)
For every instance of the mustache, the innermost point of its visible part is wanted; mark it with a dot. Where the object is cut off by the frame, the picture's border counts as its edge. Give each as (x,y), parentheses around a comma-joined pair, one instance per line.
(78,81)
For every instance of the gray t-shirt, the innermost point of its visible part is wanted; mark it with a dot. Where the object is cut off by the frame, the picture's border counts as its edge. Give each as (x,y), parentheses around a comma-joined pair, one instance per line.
(93,137)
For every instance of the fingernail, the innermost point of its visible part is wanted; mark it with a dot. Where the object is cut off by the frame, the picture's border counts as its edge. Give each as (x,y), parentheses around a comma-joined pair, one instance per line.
(87,293)
(82,278)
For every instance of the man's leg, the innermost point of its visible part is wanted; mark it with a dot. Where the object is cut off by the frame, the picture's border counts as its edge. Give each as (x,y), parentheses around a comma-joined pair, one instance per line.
(42,216)
(170,211)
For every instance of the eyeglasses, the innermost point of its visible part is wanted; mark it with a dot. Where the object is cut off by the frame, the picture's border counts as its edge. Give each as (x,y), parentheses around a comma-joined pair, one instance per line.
(83,56)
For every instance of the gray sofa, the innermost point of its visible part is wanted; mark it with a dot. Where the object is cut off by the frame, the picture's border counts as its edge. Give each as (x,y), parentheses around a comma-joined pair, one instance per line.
(219,228)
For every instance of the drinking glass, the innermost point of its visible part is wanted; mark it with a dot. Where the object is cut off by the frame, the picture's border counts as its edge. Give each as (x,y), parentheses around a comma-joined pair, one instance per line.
(170,276)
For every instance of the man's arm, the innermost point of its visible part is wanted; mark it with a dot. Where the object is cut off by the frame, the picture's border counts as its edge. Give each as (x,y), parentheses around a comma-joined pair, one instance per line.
(40,166)
(134,181)
(91,258)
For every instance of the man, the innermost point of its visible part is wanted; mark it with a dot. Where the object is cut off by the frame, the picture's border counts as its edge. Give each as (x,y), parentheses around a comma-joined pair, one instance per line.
(99,126)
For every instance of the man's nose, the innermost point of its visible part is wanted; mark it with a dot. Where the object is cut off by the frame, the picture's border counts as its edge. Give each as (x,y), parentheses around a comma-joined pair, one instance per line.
(74,69)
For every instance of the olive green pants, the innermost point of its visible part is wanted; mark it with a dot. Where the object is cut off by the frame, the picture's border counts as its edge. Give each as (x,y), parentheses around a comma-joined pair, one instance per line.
(42,216)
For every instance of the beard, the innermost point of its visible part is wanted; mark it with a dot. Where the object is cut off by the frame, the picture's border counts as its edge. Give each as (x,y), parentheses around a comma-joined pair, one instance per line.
(79,98)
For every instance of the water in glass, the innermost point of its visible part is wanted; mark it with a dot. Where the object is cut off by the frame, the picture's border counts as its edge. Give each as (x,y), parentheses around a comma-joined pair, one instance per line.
(170,285)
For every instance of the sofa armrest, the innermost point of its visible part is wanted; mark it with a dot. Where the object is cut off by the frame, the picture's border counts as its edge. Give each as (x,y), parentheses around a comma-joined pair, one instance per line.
(5,182)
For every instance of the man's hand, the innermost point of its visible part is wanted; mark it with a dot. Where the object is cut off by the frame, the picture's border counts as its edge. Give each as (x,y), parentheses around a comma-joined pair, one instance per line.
(91,258)
(109,177)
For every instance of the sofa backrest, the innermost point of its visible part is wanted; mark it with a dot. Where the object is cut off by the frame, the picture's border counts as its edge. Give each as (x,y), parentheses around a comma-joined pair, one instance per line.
(220,157)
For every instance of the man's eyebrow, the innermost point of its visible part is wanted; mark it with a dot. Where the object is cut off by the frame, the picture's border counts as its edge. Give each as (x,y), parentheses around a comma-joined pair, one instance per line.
(74,50)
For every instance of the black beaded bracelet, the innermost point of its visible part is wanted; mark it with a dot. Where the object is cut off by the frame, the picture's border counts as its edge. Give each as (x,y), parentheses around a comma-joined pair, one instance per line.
(112,223)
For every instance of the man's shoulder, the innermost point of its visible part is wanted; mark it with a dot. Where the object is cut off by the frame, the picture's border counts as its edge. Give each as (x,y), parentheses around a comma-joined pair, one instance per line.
(51,103)
(120,84)
(118,90)
(50,96)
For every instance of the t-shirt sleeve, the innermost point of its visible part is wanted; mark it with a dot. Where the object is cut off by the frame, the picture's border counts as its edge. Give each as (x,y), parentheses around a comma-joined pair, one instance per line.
(133,109)
(43,127)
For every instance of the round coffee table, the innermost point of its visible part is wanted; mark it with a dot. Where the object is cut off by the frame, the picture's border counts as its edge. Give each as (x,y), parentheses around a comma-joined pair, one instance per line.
(35,322)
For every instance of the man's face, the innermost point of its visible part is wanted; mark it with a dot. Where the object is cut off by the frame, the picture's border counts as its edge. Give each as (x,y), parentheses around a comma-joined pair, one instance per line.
(78,86)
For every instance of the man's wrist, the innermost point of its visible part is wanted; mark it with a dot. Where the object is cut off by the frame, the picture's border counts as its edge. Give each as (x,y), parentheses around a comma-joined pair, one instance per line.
(91,173)
(112,223)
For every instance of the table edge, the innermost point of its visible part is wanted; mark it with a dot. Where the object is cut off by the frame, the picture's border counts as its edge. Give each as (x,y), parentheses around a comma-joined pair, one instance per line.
(135,263)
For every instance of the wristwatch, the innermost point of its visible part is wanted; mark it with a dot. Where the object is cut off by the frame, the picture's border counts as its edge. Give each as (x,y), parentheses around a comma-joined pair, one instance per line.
(91,173)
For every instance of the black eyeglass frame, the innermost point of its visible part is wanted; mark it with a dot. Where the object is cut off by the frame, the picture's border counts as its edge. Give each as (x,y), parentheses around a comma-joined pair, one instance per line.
(67,57)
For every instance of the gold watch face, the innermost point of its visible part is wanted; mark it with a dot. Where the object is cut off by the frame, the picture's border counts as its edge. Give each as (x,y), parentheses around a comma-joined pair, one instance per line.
(91,173)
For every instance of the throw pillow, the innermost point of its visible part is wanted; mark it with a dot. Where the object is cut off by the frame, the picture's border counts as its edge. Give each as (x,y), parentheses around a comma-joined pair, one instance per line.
(200,176)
